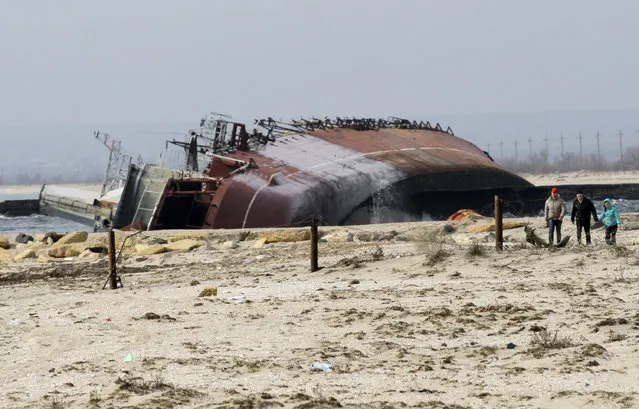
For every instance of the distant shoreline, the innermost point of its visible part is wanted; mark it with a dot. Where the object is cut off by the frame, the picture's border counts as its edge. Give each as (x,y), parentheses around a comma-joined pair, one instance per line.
(586,177)
(35,189)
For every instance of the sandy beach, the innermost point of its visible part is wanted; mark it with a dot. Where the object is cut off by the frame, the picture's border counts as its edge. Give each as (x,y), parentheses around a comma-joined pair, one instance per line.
(582,176)
(425,315)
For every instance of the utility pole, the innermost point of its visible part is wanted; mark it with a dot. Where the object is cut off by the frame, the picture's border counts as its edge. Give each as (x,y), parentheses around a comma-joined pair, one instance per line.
(562,145)
(488,147)
(501,146)
(598,149)
(529,147)
(621,148)
(515,152)
(581,152)
(547,153)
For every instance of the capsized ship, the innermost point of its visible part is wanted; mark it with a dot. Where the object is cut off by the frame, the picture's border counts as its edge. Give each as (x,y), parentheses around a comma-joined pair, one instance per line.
(335,171)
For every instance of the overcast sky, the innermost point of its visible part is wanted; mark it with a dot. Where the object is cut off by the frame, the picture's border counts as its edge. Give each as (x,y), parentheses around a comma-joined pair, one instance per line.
(121,61)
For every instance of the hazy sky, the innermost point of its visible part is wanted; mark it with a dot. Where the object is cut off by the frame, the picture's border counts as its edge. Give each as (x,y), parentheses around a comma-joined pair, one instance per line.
(120,61)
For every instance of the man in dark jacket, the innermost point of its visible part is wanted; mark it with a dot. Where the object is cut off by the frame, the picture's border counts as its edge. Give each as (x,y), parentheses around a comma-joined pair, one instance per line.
(582,208)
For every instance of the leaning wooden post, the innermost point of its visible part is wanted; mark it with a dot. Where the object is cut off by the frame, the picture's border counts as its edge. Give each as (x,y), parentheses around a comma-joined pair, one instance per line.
(112,271)
(314,237)
(499,228)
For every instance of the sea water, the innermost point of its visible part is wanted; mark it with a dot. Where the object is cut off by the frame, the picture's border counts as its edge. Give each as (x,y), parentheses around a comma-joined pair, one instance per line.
(36,223)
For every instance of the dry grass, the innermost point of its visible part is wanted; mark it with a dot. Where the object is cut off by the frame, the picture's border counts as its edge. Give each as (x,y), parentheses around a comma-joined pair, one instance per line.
(56,402)
(208,292)
(378,254)
(614,336)
(620,250)
(476,250)
(544,340)
(139,386)
(437,256)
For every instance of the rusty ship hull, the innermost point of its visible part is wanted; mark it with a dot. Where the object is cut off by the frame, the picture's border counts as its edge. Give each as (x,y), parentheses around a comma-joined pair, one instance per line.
(336,175)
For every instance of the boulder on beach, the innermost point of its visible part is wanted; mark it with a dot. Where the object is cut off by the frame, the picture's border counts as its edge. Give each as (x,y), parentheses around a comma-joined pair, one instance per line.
(4,243)
(285,235)
(149,249)
(52,236)
(6,256)
(183,245)
(74,237)
(23,238)
(64,251)
(28,253)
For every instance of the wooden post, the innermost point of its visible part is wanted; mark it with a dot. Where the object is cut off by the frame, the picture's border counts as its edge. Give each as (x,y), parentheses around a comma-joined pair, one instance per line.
(499,228)
(113,284)
(314,239)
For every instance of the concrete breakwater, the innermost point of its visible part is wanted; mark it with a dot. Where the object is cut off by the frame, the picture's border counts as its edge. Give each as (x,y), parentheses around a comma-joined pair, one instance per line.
(15,208)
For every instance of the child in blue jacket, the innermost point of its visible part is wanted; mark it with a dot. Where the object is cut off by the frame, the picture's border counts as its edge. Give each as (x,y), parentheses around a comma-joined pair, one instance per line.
(611,218)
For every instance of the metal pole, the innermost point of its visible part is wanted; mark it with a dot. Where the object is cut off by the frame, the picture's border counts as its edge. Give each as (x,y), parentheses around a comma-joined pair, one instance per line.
(112,271)
(547,153)
(499,228)
(314,240)
(581,154)
(621,148)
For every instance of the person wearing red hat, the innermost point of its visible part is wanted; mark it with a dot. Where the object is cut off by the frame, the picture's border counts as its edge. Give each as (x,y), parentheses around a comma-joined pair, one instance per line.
(554,212)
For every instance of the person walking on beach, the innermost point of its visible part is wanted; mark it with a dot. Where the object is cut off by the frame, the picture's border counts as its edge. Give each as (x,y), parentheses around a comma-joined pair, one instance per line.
(554,212)
(611,218)
(582,208)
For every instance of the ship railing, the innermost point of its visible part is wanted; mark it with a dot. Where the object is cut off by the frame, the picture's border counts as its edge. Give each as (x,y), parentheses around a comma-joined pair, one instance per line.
(68,204)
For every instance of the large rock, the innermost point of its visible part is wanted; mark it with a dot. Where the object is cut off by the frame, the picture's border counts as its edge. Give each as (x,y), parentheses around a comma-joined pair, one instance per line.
(183,245)
(28,253)
(4,243)
(23,238)
(195,235)
(51,236)
(285,235)
(341,235)
(6,256)
(149,249)
(63,251)
(37,245)
(74,237)
(89,255)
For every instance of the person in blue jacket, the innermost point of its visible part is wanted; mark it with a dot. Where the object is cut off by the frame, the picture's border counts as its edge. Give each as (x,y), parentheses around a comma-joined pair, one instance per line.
(610,217)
